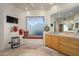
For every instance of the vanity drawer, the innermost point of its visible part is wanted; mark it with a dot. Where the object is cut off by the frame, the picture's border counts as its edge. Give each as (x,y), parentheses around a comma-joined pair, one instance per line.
(69,46)
(55,42)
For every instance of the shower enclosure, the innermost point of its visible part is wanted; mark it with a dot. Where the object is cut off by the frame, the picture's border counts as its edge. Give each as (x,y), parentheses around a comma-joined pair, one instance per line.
(35,25)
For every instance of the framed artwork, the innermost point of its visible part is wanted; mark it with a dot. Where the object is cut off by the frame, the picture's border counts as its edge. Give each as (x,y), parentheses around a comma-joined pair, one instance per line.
(10,19)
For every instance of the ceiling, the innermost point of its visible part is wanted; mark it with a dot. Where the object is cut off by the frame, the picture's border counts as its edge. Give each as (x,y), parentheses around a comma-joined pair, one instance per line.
(33,6)
(46,6)
(66,13)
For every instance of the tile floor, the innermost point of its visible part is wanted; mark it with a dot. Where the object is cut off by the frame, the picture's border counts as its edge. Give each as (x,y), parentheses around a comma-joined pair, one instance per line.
(31,50)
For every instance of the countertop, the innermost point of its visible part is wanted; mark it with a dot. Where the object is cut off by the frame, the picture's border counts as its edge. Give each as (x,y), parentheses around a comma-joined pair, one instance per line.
(69,35)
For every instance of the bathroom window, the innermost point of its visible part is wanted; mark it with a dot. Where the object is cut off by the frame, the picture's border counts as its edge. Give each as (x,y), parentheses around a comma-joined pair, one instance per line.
(35,25)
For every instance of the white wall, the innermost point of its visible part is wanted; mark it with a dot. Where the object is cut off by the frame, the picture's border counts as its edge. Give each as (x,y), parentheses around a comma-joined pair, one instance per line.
(1,30)
(9,9)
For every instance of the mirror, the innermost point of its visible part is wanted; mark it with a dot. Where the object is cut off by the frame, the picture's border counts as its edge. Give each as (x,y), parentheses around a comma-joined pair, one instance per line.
(65,22)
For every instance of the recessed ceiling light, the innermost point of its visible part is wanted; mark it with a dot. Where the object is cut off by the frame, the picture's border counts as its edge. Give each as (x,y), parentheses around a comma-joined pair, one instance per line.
(71,22)
(51,3)
(26,8)
(42,7)
(32,5)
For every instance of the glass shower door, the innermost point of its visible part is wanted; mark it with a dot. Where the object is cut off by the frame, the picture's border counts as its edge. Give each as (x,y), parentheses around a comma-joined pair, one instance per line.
(35,25)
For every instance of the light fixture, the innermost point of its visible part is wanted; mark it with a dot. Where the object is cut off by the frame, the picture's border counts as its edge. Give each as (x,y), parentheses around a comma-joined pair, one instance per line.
(26,8)
(42,7)
(32,5)
(71,22)
(51,3)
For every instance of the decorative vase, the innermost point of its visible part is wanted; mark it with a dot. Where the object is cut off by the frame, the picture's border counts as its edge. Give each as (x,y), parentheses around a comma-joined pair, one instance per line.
(46,28)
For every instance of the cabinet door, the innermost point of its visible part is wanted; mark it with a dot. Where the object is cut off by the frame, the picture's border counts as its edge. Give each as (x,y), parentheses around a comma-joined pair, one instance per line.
(54,42)
(69,46)
(48,40)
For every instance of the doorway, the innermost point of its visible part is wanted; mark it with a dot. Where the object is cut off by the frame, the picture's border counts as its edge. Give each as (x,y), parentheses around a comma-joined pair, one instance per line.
(60,27)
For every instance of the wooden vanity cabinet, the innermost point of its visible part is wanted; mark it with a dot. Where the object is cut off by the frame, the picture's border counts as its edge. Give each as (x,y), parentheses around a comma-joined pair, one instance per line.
(66,45)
